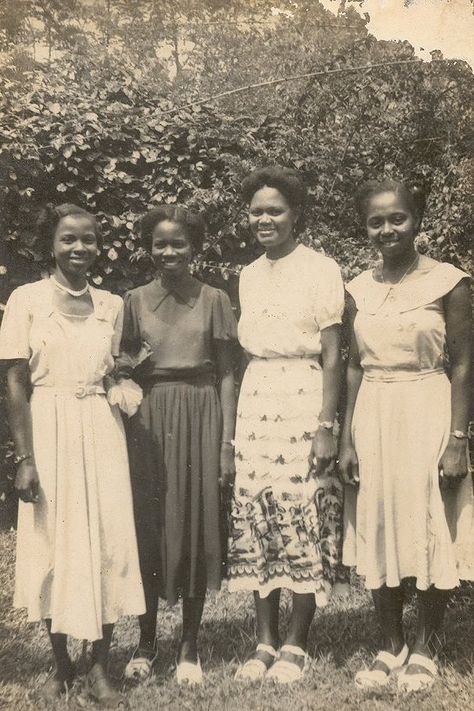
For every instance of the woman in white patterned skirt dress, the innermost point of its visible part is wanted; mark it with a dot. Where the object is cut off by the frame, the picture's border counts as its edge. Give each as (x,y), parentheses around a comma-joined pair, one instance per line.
(77,561)
(286,527)
(409,511)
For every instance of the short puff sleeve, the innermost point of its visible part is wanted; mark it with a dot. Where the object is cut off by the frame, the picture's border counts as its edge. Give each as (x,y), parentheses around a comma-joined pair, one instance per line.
(224,323)
(329,304)
(15,328)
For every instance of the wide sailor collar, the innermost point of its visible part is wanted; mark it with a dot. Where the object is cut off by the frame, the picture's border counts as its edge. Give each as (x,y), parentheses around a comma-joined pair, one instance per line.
(187,291)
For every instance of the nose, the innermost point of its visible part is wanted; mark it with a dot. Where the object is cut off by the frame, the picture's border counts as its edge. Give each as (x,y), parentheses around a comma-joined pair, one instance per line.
(168,251)
(78,247)
(386,228)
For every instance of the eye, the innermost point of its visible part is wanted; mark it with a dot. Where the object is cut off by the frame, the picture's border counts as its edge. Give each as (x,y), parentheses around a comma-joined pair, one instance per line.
(275,211)
(255,212)
(399,219)
(374,222)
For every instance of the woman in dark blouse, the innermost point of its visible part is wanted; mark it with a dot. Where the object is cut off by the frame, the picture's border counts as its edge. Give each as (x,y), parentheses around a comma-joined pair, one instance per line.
(180,440)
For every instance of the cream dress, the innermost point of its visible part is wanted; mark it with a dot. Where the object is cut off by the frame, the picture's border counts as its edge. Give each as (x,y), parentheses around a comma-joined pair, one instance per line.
(400,524)
(77,560)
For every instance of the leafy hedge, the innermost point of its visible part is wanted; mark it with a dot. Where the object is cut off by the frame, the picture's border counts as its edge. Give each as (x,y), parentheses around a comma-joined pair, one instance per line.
(90,135)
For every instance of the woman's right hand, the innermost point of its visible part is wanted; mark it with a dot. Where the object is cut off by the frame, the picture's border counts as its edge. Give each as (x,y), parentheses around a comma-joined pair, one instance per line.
(348,464)
(27,482)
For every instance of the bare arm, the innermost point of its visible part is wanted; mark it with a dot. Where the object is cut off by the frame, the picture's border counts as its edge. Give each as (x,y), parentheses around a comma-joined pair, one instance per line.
(457,304)
(348,463)
(324,448)
(19,416)
(225,374)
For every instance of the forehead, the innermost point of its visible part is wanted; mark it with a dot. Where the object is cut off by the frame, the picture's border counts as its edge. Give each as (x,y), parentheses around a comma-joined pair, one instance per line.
(76,223)
(169,229)
(267,196)
(388,201)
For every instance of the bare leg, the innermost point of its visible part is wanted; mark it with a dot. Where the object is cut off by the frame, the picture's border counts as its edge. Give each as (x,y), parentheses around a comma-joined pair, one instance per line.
(64,665)
(389,608)
(302,615)
(192,614)
(267,609)
(432,605)
(148,619)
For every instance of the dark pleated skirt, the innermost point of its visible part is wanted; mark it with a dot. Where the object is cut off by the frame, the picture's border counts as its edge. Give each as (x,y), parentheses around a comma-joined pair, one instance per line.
(174,445)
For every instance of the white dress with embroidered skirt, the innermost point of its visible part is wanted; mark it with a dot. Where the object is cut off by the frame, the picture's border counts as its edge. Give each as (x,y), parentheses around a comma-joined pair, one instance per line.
(77,560)
(286,523)
(400,524)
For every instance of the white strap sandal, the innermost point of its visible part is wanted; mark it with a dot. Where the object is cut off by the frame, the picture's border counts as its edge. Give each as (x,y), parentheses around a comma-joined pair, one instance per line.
(255,669)
(189,673)
(286,672)
(139,667)
(372,678)
(419,680)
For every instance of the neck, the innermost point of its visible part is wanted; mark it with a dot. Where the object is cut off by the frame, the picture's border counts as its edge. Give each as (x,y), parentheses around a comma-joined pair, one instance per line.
(168,279)
(281,250)
(399,262)
(76,283)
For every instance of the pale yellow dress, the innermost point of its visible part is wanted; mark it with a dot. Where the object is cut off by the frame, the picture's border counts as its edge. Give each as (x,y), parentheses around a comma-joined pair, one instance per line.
(399,524)
(77,560)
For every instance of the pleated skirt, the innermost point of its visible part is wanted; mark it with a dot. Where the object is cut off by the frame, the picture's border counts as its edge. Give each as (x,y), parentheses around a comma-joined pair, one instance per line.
(399,524)
(286,522)
(174,449)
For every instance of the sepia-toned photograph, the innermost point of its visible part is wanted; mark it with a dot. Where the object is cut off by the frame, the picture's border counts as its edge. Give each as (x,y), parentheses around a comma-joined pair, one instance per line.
(236,355)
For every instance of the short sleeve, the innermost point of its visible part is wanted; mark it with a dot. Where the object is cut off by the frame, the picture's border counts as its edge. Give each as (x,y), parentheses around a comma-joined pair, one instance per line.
(15,328)
(224,324)
(118,326)
(329,304)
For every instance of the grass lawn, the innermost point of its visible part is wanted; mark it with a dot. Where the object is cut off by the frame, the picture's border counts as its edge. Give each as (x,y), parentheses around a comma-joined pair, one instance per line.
(343,638)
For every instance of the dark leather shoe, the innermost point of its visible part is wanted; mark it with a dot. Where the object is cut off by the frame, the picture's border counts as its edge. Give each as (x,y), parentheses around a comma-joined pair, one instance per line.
(102,691)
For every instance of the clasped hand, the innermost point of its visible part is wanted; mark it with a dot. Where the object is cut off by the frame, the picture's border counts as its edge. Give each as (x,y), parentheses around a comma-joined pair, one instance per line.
(322,456)
(453,465)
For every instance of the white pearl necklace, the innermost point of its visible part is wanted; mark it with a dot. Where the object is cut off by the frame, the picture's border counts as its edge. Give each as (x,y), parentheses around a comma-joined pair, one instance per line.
(66,289)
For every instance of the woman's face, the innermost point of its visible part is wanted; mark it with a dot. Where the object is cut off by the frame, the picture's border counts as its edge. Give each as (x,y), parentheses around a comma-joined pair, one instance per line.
(391,225)
(75,245)
(271,218)
(171,247)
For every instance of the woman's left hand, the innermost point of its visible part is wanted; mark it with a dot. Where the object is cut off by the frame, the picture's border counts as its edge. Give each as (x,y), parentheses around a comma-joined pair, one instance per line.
(453,465)
(322,456)
(227,465)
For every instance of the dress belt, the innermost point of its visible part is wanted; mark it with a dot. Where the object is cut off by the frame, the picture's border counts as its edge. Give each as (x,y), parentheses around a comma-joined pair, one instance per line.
(79,390)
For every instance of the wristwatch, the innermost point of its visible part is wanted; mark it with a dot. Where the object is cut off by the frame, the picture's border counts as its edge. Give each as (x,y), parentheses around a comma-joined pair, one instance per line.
(19,458)
(326,424)
(459,434)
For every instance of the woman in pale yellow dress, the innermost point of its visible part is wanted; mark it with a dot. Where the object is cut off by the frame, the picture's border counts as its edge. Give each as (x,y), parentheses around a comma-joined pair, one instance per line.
(77,561)
(409,507)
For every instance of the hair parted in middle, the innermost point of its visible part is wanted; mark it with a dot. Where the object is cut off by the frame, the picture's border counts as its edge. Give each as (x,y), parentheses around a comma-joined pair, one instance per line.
(190,220)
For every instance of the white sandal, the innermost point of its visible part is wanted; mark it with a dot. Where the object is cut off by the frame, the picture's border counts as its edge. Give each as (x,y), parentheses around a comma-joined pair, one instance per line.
(286,672)
(420,680)
(372,678)
(255,669)
(189,673)
(139,667)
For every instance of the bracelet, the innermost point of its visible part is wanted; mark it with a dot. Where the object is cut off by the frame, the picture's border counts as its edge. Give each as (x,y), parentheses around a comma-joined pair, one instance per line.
(228,441)
(19,458)
(459,434)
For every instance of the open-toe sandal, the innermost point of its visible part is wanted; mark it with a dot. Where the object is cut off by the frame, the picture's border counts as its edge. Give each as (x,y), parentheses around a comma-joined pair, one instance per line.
(420,680)
(255,668)
(140,666)
(189,673)
(379,675)
(285,671)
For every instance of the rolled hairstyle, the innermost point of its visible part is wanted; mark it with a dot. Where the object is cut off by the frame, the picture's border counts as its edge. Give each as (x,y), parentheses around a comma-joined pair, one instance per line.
(414,197)
(190,220)
(48,220)
(286,180)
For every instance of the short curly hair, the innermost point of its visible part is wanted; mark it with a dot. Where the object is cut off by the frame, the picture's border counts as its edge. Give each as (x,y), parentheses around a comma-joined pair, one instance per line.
(191,221)
(48,221)
(286,180)
(414,196)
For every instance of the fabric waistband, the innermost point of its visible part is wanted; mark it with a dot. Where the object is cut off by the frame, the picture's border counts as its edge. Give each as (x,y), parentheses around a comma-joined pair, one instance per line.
(79,390)
(178,379)
(398,376)
(312,360)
